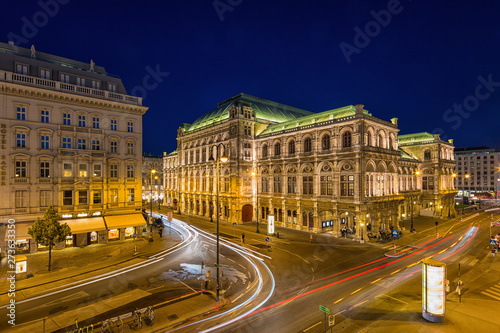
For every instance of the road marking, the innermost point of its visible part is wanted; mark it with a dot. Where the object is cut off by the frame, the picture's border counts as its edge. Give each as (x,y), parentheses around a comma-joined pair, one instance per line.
(383,295)
(338,300)
(307,329)
(473,262)
(187,286)
(355,291)
(316,258)
(230,259)
(490,295)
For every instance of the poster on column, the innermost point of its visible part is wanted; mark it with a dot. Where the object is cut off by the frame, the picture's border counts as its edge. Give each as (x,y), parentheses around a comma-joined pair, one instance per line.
(270,225)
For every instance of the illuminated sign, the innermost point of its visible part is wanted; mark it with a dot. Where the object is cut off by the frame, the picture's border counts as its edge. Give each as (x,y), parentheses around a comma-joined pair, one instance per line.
(270,224)
(433,290)
(82,214)
(66,215)
(21,264)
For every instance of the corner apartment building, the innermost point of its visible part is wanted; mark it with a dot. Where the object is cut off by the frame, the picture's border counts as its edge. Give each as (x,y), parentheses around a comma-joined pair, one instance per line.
(71,138)
(482,165)
(311,171)
(152,179)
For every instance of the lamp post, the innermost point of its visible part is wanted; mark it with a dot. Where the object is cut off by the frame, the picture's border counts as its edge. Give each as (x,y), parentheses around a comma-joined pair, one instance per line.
(223,159)
(463,194)
(449,197)
(254,173)
(153,171)
(362,231)
(411,203)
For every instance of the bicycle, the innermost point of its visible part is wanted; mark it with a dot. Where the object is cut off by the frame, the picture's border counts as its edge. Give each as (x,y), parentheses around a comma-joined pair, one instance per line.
(137,319)
(108,326)
(149,316)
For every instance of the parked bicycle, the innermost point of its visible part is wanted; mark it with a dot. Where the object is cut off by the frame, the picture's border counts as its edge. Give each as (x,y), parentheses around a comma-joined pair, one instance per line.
(137,319)
(149,316)
(108,326)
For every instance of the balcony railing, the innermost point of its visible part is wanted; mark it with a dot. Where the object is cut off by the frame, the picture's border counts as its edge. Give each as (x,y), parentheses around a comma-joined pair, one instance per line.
(66,87)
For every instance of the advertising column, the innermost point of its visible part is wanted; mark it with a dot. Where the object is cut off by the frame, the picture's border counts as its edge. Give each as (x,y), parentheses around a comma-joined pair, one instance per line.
(433,290)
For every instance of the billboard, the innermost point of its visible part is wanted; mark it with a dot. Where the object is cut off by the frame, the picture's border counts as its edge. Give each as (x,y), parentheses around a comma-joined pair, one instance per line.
(270,225)
(433,290)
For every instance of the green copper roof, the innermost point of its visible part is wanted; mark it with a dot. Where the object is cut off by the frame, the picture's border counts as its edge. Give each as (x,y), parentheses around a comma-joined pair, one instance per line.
(415,138)
(404,154)
(264,110)
(173,153)
(314,118)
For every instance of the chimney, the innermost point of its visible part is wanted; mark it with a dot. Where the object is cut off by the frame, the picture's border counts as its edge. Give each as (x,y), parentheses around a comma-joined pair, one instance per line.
(394,121)
(359,108)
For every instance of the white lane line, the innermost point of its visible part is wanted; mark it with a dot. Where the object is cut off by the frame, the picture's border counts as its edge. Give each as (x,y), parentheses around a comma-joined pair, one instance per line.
(316,258)
(230,259)
(384,295)
(187,286)
(307,329)
(473,262)
(490,295)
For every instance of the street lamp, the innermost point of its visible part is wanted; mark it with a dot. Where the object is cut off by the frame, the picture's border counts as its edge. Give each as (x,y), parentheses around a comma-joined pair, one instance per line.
(223,159)
(411,204)
(463,193)
(362,230)
(153,171)
(449,197)
(256,200)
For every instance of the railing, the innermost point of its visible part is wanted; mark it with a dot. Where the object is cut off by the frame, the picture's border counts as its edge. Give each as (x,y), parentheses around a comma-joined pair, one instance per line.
(66,87)
(45,180)
(20,180)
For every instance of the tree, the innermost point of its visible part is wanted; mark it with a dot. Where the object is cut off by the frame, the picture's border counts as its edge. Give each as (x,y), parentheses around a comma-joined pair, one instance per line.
(48,231)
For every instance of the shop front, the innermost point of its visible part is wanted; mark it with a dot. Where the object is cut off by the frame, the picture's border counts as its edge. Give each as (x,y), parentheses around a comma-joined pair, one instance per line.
(86,231)
(22,240)
(121,227)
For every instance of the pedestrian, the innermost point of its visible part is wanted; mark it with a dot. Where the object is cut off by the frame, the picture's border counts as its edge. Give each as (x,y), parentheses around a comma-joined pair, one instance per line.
(207,279)
(310,237)
(160,231)
(242,238)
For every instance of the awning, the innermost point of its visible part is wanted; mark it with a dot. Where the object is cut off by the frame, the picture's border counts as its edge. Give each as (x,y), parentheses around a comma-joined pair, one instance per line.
(82,226)
(21,231)
(124,221)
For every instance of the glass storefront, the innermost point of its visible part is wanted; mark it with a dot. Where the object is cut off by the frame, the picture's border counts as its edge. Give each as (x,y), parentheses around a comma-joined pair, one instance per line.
(22,246)
(129,232)
(93,237)
(113,234)
(69,241)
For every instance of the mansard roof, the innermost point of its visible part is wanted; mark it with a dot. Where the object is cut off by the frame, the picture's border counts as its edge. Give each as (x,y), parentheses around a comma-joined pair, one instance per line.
(264,110)
(415,138)
(313,119)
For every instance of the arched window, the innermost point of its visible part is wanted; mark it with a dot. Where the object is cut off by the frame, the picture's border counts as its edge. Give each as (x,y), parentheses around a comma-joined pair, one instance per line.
(390,142)
(325,142)
(427,155)
(291,147)
(311,219)
(264,151)
(277,149)
(307,145)
(346,139)
(381,141)
(304,219)
(369,139)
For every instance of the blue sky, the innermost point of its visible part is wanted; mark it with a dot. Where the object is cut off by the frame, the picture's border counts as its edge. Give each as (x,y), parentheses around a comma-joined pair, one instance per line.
(433,65)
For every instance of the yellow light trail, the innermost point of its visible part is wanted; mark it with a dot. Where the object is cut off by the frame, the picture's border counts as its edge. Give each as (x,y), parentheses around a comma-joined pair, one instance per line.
(356,291)
(376,281)
(338,300)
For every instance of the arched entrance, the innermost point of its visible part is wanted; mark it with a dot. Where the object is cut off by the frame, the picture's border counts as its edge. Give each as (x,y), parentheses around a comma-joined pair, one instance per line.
(247,213)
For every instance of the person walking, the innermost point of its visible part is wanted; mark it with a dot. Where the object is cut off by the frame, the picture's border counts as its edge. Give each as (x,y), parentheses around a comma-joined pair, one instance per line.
(160,231)
(242,238)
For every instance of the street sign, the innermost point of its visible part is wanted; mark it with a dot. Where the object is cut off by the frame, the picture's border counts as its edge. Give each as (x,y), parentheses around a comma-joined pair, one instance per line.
(395,232)
(493,242)
(331,320)
(436,223)
(234,224)
(394,246)
(324,309)
(267,239)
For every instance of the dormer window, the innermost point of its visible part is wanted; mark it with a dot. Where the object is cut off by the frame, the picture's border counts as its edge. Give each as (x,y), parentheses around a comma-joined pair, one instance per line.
(22,69)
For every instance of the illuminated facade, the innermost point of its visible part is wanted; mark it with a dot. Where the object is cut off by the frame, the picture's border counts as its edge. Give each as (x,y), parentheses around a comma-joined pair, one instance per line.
(312,171)
(71,138)
(482,164)
(149,163)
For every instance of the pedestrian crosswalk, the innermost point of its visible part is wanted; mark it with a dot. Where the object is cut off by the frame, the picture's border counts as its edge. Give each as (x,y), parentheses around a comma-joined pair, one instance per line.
(493,292)
(467,260)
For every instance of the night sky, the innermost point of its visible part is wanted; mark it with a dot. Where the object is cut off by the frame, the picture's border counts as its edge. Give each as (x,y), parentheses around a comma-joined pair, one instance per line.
(432,64)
